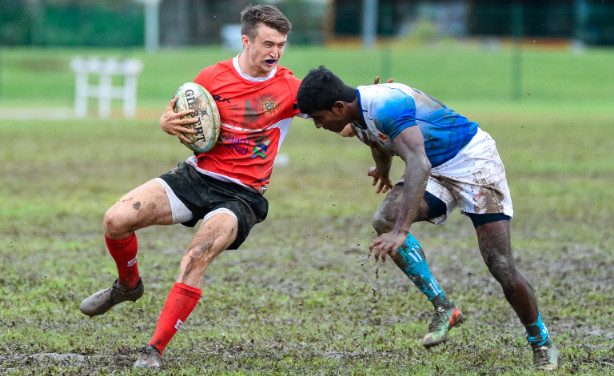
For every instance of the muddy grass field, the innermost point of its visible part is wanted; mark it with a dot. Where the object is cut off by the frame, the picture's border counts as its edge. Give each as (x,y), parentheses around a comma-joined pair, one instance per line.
(300,296)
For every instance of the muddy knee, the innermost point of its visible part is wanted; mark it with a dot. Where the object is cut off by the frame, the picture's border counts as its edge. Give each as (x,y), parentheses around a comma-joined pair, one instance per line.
(380,223)
(116,225)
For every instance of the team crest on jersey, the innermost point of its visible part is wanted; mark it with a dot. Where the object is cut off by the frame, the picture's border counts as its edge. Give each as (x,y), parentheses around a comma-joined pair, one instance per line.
(269,105)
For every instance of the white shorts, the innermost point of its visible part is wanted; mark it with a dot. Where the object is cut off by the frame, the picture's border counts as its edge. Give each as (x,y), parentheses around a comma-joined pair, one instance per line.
(474,180)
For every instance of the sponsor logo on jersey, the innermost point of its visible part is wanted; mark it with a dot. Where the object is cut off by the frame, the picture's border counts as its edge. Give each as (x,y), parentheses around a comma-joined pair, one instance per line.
(244,145)
(262,145)
(240,145)
(218,98)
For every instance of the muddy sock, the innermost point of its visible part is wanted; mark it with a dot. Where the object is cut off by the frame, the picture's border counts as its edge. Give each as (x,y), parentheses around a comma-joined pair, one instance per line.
(180,302)
(537,333)
(124,253)
(441,300)
(413,263)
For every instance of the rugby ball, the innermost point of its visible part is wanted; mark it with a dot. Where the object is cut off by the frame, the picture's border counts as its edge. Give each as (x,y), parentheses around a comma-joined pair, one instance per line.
(192,96)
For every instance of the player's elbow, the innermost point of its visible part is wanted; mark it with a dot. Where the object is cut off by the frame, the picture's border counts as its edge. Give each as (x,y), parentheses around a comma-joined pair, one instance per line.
(423,166)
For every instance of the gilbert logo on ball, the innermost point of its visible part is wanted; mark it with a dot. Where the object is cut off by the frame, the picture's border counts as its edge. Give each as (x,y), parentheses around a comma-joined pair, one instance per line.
(192,96)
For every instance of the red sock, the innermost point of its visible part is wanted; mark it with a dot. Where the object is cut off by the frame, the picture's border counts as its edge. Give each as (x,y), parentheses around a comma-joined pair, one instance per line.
(124,253)
(180,302)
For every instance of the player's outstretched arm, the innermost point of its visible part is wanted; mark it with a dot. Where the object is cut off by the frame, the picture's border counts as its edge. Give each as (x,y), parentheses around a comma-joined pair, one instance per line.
(171,122)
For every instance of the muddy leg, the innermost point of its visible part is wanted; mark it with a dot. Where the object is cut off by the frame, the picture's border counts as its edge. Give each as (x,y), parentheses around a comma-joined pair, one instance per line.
(495,246)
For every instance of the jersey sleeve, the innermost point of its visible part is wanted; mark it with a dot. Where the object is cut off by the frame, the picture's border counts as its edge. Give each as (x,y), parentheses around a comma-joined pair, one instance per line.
(293,85)
(395,113)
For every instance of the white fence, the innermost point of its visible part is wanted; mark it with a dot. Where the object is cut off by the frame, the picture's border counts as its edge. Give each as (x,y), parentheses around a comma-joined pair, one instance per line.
(105,91)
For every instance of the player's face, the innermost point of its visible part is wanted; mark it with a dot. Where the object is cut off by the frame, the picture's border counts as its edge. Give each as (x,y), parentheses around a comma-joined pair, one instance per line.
(333,121)
(264,51)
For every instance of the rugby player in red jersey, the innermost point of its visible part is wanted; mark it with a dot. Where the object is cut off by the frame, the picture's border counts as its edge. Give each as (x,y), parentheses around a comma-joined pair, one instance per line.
(256,99)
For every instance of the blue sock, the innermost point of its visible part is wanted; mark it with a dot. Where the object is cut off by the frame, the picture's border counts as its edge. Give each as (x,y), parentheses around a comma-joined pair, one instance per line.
(537,333)
(413,263)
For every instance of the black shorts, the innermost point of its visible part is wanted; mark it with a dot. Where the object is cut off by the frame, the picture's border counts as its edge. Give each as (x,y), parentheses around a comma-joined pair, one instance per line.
(203,194)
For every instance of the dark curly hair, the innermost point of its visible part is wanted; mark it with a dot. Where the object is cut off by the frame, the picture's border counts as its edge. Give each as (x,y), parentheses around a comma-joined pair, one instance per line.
(269,15)
(320,89)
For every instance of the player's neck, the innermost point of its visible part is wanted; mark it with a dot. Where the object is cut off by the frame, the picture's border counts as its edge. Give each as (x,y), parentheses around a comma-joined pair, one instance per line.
(355,112)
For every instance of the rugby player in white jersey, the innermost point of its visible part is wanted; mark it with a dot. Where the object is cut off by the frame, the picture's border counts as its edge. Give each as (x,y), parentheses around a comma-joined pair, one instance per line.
(449,162)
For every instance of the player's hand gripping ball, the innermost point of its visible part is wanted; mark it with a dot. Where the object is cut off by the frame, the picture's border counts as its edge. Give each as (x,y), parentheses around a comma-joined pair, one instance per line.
(192,96)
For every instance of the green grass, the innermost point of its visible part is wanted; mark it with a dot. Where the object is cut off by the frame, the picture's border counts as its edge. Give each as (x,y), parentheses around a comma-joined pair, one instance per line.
(300,296)
(450,72)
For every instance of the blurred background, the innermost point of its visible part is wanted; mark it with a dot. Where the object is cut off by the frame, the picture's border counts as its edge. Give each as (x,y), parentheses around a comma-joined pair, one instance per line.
(39,39)
(181,23)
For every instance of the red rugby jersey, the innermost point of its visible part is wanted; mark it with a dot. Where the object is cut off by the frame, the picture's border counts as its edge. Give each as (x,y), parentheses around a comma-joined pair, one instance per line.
(255,116)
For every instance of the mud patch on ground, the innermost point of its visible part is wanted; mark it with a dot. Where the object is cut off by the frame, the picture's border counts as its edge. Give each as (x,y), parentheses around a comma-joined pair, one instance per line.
(125,357)
(69,363)
(54,359)
(310,297)
(13,362)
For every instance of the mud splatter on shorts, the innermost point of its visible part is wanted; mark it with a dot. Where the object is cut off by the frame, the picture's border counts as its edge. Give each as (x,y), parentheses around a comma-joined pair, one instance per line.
(474,180)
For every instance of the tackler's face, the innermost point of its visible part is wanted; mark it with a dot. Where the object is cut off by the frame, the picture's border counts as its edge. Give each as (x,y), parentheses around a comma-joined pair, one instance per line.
(265,51)
(333,120)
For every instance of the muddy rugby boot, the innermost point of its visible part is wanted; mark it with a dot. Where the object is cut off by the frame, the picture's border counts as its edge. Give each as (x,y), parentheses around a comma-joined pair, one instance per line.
(443,320)
(546,358)
(150,358)
(103,300)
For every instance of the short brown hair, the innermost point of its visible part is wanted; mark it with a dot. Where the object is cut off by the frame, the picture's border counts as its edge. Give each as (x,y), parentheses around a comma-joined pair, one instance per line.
(269,15)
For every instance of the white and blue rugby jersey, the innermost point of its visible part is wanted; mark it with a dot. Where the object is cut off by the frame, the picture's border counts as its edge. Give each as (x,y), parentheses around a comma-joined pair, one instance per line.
(388,109)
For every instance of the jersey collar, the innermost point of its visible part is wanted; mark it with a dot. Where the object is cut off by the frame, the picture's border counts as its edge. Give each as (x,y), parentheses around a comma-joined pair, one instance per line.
(235,62)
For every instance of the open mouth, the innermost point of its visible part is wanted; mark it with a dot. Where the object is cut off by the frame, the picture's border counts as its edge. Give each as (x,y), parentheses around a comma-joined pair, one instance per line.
(270,61)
